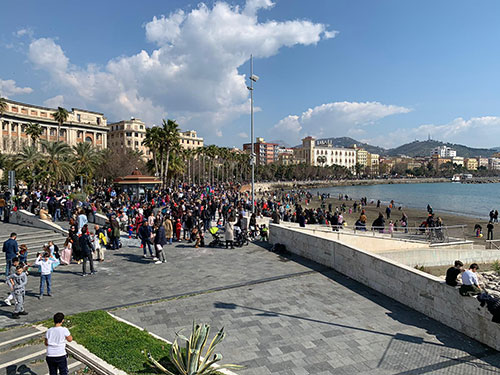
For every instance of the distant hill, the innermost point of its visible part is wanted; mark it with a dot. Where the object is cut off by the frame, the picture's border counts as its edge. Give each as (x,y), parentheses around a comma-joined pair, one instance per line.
(281,143)
(348,142)
(424,148)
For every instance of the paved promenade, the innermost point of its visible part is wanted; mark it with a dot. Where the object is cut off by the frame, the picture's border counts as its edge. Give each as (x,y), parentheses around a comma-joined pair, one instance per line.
(282,315)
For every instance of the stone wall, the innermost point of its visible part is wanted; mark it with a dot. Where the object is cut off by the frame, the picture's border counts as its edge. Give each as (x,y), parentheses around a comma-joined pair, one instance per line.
(418,290)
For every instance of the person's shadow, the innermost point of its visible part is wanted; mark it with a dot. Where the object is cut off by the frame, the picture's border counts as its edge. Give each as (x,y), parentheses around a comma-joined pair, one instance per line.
(21,370)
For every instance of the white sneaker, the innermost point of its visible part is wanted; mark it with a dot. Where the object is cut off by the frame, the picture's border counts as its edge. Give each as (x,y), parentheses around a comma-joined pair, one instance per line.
(155,258)
(158,262)
(7,302)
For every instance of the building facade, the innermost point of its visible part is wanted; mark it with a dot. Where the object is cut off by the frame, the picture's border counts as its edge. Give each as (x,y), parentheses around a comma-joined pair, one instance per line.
(128,134)
(326,155)
(80,126)
(471,164)
(265,153)
(444,152)
(190,140)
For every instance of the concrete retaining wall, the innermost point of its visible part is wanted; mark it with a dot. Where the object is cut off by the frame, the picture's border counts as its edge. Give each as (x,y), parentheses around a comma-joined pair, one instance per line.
(418,290)
(23,217)
(439,256)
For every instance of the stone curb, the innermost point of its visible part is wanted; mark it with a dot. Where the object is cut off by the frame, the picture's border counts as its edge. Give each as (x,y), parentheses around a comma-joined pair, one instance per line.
(80,353)
(221,370)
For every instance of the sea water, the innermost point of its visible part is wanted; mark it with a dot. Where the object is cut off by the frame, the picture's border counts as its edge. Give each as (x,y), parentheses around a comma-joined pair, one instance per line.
(475,200)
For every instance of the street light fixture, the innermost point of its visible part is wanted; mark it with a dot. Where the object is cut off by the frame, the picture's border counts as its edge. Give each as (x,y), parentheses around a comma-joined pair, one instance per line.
(253,78)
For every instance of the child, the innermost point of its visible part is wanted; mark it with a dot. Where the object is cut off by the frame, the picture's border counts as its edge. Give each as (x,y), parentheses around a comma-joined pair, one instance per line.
(67,252)
(264,233)
(23,254)
(178,227)
(45,264)
(17,283)
(101,241)
(15,263)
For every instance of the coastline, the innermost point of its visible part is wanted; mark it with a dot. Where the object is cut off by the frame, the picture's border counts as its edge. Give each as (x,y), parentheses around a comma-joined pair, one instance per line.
(273,185)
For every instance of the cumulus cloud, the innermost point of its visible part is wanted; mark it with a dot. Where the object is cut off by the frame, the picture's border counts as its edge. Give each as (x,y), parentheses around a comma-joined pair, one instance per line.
(191,74)
(475,132)
(54,102)
(335,119)
(25,31)
(9,87)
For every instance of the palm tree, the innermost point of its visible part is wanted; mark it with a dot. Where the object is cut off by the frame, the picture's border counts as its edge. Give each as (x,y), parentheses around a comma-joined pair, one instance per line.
(153,141)
(34,131)
(26,163)
(3,105)
(56,161)
(86,160)
(170,143)
(60,116)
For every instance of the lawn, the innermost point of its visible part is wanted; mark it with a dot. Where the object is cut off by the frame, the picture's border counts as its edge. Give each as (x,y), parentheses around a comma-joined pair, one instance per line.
(117,343)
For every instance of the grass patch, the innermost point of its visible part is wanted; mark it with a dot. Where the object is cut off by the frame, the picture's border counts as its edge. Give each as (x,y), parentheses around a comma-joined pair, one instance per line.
(116,342)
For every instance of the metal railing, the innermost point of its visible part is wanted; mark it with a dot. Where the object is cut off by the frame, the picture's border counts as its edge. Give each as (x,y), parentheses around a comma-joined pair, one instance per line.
(433,235)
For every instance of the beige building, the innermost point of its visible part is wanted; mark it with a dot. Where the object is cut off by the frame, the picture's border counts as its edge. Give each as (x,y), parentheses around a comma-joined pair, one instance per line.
(326,155)
(362,156)
(482,162)
(373,162)
(81,126)
(470,164)
(128,134)
(190,140)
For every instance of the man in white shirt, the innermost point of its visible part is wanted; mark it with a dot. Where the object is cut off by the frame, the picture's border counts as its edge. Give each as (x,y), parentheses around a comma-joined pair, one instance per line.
(470,282)
(55,341)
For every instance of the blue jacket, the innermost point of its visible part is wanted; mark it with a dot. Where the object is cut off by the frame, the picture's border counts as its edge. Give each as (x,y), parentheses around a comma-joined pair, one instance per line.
(10,249)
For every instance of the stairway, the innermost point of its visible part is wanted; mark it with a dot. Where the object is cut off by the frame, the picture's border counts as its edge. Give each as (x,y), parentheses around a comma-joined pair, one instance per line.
(34,238)
(22,351)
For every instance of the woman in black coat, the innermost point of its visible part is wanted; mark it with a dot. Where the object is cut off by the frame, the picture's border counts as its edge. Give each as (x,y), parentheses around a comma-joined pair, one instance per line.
(86,250)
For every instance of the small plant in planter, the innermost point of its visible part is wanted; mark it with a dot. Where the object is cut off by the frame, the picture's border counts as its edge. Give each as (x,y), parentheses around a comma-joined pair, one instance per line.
(190,360)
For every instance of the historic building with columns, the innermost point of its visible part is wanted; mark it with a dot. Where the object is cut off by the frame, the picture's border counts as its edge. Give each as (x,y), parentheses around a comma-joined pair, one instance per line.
(80,126)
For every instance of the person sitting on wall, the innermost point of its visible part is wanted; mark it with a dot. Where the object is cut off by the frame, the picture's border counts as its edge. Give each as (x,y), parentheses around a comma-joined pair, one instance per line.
(44,214)
(453,272)
(470,282)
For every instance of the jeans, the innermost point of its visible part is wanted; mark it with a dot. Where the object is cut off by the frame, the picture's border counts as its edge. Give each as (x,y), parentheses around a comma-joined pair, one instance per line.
(57,215)
(43,279)
(55,363)
(84,263)
(148,243)
(7,266)
(116,243)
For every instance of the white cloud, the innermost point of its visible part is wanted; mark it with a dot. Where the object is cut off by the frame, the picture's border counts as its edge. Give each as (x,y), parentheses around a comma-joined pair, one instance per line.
(333,120)
(243,135)
(475,132)
(192,74)
(25,31)
(8,87)
(54,102)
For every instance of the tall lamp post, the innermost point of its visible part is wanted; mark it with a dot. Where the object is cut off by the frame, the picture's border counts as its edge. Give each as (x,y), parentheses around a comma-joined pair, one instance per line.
(253,78)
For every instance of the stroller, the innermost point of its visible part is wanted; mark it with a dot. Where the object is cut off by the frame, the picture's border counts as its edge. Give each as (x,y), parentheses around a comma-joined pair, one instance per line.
(216,241)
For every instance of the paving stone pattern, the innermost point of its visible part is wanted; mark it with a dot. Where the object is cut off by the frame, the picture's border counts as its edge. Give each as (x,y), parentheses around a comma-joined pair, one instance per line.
(282,315)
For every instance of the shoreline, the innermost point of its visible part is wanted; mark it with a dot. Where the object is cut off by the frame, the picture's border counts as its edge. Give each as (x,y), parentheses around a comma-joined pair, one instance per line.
(273,185)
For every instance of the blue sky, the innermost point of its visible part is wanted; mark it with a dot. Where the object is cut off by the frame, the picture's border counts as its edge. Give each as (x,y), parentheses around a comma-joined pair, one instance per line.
(386,72)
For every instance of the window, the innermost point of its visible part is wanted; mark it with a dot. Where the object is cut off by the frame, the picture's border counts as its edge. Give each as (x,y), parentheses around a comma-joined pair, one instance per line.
(13,127)
(78,118)
(4,125)
(52,132)
(63,132)
(129,134)
(88,139)
(129,143)
(136,134)
(98,137)
(136,144)
(141,127)
(98,120)
(79,134)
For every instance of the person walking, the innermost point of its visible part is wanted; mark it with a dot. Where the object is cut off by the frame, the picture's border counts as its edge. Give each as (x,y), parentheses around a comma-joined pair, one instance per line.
(86,249)
(169,229)
(17,283)
(10,248)
(229,233)
(160,241)
(45,264)
(490,227)
(55,341)
(145,236)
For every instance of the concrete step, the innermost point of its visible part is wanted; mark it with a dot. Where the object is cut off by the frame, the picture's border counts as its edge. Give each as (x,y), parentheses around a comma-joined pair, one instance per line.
(22,351)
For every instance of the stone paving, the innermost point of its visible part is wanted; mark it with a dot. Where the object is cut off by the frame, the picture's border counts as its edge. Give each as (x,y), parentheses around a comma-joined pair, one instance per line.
(282,315)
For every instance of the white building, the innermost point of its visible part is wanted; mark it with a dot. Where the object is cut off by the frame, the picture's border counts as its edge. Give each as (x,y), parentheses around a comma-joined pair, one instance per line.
(444,152)
(494,163)
(326,155)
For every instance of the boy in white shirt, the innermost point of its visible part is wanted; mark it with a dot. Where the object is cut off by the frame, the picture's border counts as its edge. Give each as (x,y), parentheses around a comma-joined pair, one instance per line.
(55,341)
(45,265)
